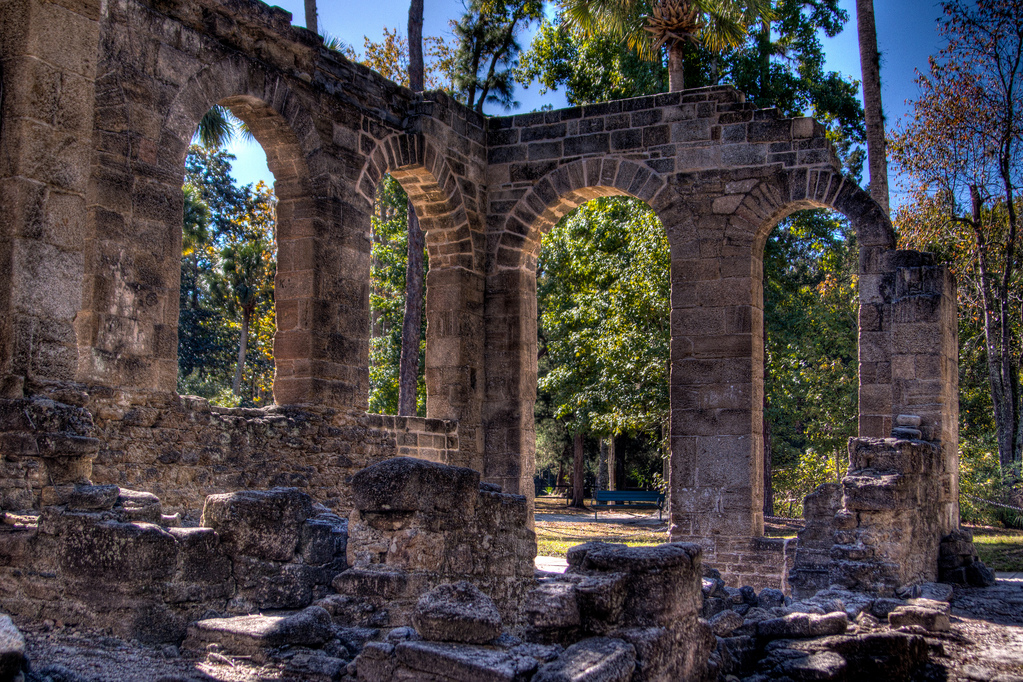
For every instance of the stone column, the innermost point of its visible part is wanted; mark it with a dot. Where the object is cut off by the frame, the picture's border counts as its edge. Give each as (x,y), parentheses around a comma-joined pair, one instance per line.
(49,55)
(510,357)
(925,367)
(716,394)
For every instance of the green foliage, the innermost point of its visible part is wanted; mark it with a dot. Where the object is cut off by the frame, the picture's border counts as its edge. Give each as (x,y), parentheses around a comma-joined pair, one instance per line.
(602,290)
(387,300)
(486,39)
(595,69)
(810,309)
(228,264)
(794,483)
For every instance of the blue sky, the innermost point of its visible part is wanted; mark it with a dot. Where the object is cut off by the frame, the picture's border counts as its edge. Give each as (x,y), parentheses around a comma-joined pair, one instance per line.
(907,35)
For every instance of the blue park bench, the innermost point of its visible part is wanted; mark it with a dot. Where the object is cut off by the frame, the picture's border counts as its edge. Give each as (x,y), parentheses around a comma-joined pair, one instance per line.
(627,500)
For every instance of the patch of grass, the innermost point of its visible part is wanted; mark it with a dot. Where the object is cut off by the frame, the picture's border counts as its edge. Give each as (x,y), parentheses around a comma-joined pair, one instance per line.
(1001,549)
(554,538)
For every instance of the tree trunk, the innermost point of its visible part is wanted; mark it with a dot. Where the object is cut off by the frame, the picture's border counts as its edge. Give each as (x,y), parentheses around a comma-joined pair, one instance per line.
(236,385)
(612,465)
(577,471)
(602,473)
(412,324)
(416,69)
(676,67)
(310,16)
(768,482)
(870,66)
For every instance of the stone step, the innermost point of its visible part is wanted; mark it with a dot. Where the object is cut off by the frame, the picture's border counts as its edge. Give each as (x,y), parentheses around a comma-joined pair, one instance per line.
(256,635)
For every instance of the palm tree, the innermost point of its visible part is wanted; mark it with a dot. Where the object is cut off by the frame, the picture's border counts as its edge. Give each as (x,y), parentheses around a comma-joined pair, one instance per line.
(870,66)
(648,25)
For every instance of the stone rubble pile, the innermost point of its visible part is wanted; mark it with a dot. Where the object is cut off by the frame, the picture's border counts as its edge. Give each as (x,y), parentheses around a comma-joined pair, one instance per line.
(107,557)
(836,634)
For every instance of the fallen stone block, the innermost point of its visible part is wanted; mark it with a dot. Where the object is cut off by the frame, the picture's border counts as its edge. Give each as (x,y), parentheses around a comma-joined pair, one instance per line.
(770,598)
(797,625)
(457,613)
(461,662)
(725,623)
(254,635)
(257,523)
(552,605)
(404,484)
(140,507)
(932,620)
(598,659)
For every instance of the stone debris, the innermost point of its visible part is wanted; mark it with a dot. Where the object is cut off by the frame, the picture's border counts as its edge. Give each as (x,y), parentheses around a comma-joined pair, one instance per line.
(598,659)
(958,563)
(929,619)
(457,613)
(255,635)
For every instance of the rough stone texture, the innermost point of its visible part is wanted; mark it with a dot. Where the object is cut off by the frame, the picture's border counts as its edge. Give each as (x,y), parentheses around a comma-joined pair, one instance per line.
(106,569)
(929,619)
(881,528)
(598,659)
(958,562)
(417,525)
(96,128)
(649,597)
(182,449)
(457,613)
(253,635)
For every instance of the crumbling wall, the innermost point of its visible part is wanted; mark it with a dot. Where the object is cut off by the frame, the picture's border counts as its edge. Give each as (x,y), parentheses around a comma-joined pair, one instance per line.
(104,557)
(417,524)
(182,449)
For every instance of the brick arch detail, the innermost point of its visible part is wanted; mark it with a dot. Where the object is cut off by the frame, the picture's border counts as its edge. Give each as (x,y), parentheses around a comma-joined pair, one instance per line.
(564,189)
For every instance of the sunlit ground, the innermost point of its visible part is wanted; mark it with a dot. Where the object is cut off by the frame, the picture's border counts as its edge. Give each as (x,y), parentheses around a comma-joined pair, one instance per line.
(1001,549)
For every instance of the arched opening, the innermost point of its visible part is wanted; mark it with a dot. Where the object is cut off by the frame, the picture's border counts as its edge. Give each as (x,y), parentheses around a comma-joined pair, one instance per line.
(810,363)
(227,319)
(247,262)
(603,345)
(392,281)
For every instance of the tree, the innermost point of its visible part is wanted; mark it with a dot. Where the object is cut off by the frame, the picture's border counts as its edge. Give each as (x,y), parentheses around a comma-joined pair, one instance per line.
(870,66)
(486,47)
(228,262)
(962,151)
(648,25)
(411,329)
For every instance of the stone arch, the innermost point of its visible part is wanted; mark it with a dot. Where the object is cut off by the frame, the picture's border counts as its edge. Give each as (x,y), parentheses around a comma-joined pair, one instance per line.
(717,343)
(511,331)
(564,189)
(132,338)
(454,283)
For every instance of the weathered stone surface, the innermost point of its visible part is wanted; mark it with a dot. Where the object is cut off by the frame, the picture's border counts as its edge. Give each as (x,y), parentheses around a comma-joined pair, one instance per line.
(770,598)
(803,625)
(263,524)
(598,659)
(406,484)
(457,613)
(552,605)
(725,623)
(929,619)
(12,650)
(253,635)
(463,663)
(133,505)
(93,497)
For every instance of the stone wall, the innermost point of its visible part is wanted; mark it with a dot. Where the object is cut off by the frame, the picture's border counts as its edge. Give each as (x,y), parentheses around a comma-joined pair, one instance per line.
(182,449)
(94,135)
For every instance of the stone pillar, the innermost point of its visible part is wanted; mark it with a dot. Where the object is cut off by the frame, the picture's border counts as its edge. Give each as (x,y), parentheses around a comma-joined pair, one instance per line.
(716,485)
(510,352)
(454,356)
(49,54)
(925,367)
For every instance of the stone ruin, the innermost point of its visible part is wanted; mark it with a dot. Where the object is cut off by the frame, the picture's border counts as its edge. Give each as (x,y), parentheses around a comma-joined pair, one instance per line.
(104,467)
